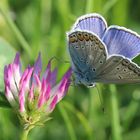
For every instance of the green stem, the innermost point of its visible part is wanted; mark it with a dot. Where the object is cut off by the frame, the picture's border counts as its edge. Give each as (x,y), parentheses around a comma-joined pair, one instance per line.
(16,31)
(81,118)
(67,122)
(116,128)
(24,134)
(36,39)
(90,105)
(89,6)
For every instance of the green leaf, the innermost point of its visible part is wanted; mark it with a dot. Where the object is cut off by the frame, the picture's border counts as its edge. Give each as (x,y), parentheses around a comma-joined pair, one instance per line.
(7,54)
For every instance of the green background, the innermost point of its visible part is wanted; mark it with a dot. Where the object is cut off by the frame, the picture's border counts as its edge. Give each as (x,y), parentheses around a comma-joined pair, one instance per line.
(30,26)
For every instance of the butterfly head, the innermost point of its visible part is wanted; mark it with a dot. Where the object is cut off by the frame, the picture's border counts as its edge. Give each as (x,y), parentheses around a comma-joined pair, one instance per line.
(84,79)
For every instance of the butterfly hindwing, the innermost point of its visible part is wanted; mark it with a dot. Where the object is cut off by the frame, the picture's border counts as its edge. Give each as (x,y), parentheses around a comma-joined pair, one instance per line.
(118,69)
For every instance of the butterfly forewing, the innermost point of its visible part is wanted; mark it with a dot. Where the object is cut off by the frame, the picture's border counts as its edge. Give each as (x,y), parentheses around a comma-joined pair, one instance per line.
(118,69)
(87,51)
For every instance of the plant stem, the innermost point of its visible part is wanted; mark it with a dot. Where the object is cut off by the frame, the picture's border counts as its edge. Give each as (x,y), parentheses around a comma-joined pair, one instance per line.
(116,128)
(25,134)
(81,118)
(17,32)
(90,105)
(67,122)
(89,6)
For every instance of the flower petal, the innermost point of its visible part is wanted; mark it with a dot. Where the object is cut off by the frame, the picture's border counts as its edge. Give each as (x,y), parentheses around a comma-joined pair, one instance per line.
(122,41)
(37,81)
(53,103)
(31,93)
(22,100)
(53,77)
(59,88)
(10,78)
(47,71)
(25,79)
(47,93)
(67,75)
(91,22)
(42,94)
(9,95)
(16,67)
(38,65)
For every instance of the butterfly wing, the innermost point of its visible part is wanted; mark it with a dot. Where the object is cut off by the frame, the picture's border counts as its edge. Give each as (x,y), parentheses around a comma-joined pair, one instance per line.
(118,69)
(91,22)
(87,51)
(122,41)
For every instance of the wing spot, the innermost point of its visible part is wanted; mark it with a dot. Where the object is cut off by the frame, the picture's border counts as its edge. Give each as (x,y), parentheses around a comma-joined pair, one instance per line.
(118,68)
(91,37)
(132,66)
(96,40)
(86,36)
(101,62)
(137,71)
(93,69)
(125,62)
(95,47)
(80,36)
(81,59)
(124,70)
(72,38)
(120,77)
(101,46)
(76,47)
(82,46)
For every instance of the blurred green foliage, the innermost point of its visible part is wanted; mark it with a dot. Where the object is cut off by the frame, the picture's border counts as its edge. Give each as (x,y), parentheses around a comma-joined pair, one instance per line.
(32,26)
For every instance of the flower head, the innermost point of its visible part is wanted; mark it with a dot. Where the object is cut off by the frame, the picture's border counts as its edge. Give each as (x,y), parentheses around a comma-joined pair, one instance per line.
(31,95)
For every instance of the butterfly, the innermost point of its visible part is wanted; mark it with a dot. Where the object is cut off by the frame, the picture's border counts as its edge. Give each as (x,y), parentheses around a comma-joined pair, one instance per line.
(102,54)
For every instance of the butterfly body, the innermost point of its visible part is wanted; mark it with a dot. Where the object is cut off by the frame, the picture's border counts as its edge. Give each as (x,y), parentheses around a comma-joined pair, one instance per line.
(90,52)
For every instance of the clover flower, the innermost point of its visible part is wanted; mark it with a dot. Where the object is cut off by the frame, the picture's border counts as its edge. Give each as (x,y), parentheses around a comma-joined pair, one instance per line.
(33,97)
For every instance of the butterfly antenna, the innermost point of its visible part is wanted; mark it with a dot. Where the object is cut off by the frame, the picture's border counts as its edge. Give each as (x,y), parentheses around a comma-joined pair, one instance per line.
(59,59)
(101,99)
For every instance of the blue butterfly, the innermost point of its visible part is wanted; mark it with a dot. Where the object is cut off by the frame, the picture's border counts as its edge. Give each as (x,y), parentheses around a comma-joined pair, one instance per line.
(103,54)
